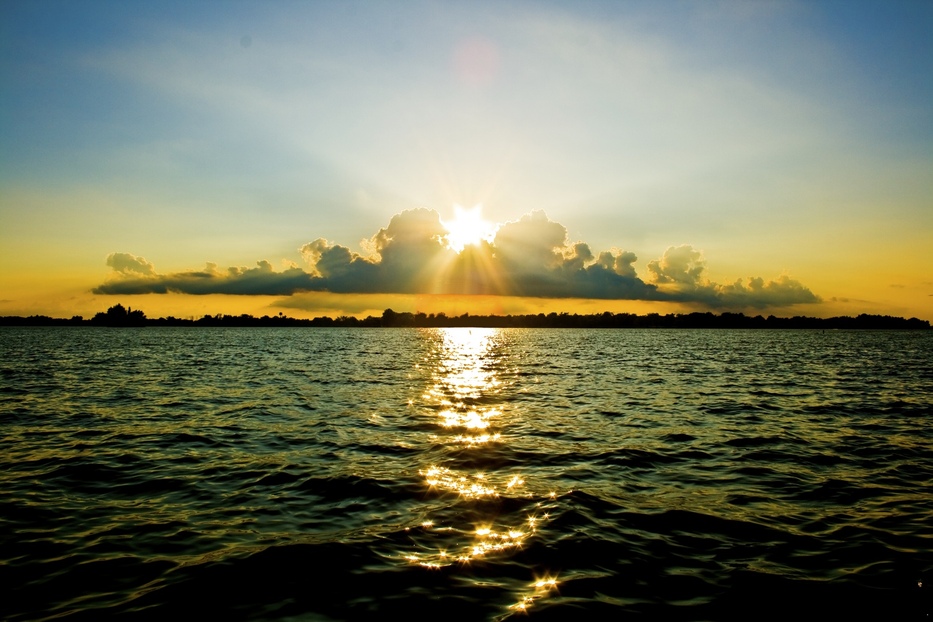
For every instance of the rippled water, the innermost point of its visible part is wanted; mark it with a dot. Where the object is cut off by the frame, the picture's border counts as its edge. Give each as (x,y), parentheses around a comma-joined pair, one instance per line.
(470,474)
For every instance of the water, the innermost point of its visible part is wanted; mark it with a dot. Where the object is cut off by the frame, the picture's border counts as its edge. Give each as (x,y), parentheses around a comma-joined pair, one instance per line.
(346,474)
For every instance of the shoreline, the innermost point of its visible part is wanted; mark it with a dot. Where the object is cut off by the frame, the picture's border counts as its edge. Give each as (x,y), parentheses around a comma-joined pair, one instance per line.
(117,316)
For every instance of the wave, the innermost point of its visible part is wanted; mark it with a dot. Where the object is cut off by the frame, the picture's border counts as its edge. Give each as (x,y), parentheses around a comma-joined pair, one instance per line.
(478,476)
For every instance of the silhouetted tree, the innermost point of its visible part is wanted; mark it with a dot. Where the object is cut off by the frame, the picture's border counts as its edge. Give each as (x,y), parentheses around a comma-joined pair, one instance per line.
(118,315)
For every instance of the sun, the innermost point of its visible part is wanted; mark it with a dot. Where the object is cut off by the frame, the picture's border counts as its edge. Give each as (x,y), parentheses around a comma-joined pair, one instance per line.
(468,228)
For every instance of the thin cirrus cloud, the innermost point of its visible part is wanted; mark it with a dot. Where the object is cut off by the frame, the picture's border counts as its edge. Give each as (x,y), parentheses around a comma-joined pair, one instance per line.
(530,257)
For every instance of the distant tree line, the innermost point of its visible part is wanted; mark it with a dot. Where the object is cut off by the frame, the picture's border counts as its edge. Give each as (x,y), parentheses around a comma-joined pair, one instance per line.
(650,320)
(117,315)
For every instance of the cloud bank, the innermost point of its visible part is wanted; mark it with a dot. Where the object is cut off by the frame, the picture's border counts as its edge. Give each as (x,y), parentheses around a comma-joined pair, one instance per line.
(530,257)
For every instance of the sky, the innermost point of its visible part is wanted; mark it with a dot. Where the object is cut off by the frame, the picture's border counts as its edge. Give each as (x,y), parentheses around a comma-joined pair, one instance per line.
(340,158)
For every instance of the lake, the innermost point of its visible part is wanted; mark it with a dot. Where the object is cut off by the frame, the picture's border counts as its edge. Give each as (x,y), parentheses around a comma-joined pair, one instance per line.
(477,474)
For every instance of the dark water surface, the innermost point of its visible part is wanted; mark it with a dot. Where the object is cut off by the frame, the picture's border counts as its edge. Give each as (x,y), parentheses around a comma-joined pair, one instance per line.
(346,474)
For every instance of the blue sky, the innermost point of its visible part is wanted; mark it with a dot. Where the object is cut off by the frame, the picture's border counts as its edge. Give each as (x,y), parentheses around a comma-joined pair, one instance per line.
(775,139)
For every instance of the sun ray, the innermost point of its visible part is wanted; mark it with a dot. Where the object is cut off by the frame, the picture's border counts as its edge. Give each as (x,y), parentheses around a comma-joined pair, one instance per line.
(468,228)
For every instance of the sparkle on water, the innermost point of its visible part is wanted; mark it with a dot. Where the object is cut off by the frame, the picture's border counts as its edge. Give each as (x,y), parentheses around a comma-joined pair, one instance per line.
(564,473)
(461,381)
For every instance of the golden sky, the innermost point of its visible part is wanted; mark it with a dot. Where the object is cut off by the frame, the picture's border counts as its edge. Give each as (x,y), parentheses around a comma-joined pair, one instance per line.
(310,158)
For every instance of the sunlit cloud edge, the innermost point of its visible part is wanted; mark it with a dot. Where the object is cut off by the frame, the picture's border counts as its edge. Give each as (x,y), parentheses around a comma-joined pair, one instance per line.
(531,257)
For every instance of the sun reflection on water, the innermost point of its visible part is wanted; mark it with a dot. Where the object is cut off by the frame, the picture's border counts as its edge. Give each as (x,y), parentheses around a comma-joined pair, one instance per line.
(541,587)
(475,486)
(483,541)
(465,398)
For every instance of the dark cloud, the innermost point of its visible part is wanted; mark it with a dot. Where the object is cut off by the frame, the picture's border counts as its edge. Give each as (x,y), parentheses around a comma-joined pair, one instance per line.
(262,280)
(528,257)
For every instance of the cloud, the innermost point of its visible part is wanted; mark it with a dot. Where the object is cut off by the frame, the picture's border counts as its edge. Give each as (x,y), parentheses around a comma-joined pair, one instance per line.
(406,256)
(681,271)
(537,260)
(680,266)
(124,263)
(530,257)
(261,280)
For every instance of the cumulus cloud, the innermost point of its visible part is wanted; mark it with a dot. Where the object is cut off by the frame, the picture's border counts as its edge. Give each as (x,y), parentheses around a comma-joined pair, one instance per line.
(681,266)
(755,292)
(529,257)
(681,271)
(533,257)
(125,263)
(405,256)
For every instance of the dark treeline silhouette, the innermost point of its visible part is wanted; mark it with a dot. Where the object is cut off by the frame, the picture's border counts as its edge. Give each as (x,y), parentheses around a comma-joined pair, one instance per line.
(117,315)
(651,320)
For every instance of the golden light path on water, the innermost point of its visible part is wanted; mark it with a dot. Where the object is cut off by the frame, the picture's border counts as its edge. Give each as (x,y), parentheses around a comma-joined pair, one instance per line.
(462,394)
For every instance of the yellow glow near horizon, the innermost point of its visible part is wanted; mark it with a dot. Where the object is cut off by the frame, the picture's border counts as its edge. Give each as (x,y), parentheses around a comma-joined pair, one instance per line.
(468,228)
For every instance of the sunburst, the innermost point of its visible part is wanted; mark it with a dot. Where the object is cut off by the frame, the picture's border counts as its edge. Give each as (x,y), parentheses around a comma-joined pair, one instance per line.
(468,228)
